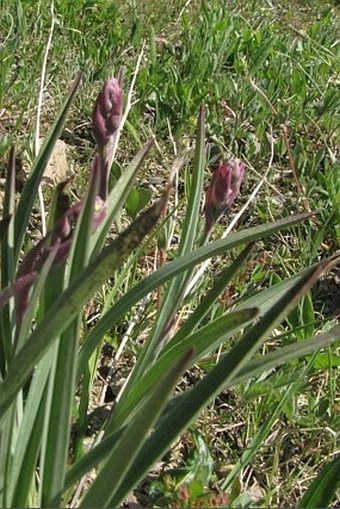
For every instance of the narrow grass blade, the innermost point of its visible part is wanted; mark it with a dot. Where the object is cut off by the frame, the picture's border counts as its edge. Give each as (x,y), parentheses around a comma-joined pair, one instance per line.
(53,468)
(79,254)
(189,229)
(283,355)
(65,309)
(263,432)
(222,280)
(85,353)
(7,248)
(188,406)
(202,341)
(175,267)
(323,489)
(112,476)
(251,369)
(172,298)
(271,360)
(7,431)
(29,192)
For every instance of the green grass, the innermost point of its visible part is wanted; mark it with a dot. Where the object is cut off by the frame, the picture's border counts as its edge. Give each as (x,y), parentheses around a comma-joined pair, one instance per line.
(257,66)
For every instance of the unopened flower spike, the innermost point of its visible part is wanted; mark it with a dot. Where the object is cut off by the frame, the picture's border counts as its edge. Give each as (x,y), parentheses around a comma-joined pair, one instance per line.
(107,113)
(223,188)
(106,119)
(107,116)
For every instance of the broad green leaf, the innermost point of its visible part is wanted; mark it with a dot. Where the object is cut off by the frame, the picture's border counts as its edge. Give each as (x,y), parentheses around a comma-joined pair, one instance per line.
(137,200)
(199,466)
(326,360)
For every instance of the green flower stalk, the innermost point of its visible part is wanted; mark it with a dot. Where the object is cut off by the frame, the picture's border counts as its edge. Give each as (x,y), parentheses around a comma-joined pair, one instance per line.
(223,189)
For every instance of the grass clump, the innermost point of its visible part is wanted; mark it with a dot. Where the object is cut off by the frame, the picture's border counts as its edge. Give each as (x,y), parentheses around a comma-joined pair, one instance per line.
(223,375)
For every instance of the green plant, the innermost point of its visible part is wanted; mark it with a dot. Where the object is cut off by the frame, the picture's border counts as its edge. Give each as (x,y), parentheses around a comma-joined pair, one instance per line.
(48,353)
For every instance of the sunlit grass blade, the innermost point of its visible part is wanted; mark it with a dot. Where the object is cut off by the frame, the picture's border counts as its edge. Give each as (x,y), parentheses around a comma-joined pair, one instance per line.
(262,434)
(172,299)
(29,192)
(280,356)
(285,354)
(186,408)
(175,267)
(111,477)
(202,341)
(66,308)
(264,299)
(222,280)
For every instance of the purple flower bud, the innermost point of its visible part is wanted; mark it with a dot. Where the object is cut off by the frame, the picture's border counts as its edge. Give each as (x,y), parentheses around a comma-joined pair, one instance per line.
(107,112)
(60,241)
(223,189)
(19,285)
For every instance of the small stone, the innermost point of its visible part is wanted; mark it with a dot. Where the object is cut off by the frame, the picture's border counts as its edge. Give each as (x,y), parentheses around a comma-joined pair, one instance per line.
(57,168)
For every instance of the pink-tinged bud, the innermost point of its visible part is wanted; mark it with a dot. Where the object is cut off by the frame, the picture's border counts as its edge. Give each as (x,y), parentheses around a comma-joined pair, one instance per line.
(19,285)
(60,241)
(107,112)
(223,189)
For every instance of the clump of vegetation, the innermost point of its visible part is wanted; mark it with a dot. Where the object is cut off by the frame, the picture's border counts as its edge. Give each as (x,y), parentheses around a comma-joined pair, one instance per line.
(220,332)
